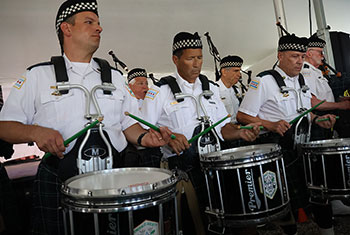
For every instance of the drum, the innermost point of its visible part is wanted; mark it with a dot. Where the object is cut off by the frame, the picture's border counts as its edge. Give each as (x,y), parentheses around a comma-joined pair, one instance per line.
(121,201)
(245,185)
(327,168)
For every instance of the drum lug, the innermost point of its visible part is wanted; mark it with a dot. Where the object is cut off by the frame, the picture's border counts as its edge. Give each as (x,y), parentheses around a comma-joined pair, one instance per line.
(90,194)
(154,186)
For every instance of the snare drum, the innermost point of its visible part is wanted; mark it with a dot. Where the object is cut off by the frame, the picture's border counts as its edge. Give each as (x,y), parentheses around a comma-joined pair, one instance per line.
(327,168)
(246,185)
(121,201)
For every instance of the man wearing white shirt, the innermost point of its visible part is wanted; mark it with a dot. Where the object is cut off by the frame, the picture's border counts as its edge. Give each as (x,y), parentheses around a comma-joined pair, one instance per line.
(230,70)
(181,116)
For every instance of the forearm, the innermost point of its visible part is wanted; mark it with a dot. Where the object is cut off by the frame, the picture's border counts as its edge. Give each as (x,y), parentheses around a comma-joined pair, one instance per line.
(230,132)
(133,132)
(16,132)
(246,119)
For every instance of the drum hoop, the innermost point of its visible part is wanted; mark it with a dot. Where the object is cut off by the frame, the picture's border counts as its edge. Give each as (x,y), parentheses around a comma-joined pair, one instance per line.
(327,151)
(119,192)
(246,165)
(342,144)
(217,157)
(116,205)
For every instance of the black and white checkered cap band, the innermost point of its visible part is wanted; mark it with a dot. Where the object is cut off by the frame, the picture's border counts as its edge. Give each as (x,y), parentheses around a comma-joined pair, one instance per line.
(231,64)
(89,6)
(136,74)
(292,47)
(317,44)
(188,43)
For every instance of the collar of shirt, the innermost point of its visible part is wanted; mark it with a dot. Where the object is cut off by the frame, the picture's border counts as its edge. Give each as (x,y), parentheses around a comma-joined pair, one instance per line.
(313,68)
(93,66)
(189,87)
(285,76)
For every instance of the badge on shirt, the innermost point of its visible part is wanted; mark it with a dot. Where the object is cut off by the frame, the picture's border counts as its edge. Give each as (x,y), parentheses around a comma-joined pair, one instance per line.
(151,94)
(254,84)
(20,83)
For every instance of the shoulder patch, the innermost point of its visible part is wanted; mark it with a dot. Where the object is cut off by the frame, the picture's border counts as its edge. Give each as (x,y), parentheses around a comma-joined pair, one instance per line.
(20,82)
(254,84)
(151,94)
(39,64)
(129,90)
(214,83)
(264,73)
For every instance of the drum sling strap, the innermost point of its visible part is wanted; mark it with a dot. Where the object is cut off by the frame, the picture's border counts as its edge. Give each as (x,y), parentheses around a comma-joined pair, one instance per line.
(61,71)
(237,93)
(94,145)
(175,89)
(280,80)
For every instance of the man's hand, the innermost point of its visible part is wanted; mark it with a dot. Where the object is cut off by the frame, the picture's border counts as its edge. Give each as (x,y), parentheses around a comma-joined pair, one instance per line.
(326,124)
(155,139)
(279,127)
(49,140)
(179,144)
(252,134)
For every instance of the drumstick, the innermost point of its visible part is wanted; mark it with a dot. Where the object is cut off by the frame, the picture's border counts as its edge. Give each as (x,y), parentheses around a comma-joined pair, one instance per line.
(77,135)
(249,127)
(208,129)
(147,123)
(325,119)
(306,112)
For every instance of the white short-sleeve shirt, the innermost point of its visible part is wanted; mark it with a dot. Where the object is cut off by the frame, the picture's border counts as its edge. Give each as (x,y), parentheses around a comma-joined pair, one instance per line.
(160,107)
(317,82)
(230,100)
(31,101)
(265,100)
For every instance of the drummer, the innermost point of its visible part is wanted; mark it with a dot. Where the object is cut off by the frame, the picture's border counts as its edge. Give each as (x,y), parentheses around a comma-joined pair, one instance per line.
(33,112)
(319,85)
(266,103)
(160,107)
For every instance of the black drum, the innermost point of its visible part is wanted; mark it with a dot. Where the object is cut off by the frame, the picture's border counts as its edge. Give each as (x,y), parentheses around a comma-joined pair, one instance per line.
(246,185)
(121,201)
(327,168)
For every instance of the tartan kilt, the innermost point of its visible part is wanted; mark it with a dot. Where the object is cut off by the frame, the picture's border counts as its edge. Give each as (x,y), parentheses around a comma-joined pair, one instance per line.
(47,215)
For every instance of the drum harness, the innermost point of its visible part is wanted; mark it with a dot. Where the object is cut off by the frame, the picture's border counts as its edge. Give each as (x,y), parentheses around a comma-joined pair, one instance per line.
(300,136)
(95,162)
(206,143)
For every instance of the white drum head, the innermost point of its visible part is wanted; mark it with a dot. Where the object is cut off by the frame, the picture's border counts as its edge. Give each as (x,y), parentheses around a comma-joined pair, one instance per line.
(122,181)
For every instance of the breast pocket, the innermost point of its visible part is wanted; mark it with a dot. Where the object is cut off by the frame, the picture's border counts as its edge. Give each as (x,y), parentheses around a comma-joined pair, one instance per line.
(286,103)
(109,104)
(178,114)
(56,109)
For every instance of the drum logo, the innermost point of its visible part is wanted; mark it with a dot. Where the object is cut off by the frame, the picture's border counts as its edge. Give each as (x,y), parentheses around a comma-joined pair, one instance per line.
(147,228)
(254,202)
(94,152)
(270,184)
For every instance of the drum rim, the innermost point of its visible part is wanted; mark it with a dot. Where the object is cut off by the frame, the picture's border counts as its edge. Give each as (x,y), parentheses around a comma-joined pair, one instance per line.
(343,143)
(217,157)
(126,191)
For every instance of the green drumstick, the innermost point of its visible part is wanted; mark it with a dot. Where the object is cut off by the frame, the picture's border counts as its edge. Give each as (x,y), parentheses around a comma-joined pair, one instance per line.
(249,127)
(306,112)
(77,135)
(325,119)
(207,130)
(147,123)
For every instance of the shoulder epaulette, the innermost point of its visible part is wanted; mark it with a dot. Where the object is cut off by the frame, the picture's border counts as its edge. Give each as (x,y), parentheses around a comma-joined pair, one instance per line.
(264,73)
(39,64)
(306,66)
(214,83)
